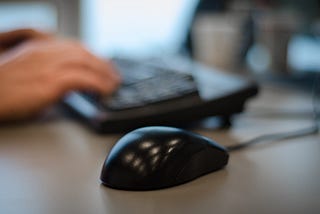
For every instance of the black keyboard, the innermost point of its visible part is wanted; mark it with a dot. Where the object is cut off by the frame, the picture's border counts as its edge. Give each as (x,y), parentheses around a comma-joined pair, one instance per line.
(161,93)
(144,85)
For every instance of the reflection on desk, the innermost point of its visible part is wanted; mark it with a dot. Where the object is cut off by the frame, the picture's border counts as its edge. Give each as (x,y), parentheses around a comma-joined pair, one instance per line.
(54,167)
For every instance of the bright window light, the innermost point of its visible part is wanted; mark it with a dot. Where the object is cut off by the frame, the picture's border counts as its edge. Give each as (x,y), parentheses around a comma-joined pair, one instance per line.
(37,15)
(139,27)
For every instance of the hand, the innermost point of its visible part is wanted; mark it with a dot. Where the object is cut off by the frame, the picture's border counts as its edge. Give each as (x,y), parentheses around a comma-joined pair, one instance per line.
(38,73)
(14,38)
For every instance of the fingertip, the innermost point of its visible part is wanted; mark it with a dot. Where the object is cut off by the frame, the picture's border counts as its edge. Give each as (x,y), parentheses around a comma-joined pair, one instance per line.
(117,77)
(113,71)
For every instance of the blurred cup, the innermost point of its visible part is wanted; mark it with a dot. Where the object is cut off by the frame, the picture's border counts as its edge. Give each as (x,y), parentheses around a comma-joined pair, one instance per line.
(274,31)
(217,38)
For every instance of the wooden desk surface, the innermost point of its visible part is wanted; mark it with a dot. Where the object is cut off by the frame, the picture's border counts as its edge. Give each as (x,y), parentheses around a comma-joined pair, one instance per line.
(54,167)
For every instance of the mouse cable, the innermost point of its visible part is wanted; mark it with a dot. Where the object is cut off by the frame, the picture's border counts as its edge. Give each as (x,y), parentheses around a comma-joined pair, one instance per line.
(279,113)
(275,137)
(314,129)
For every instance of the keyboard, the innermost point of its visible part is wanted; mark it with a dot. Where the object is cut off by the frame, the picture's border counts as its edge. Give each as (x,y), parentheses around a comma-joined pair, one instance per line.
(172,93)
(145,85)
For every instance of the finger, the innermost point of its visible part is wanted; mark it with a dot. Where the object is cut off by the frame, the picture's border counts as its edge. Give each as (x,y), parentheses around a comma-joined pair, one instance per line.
(74,54)
(81,79)
(89,67)
(90,63)
(113,70)
(13,38)
(29,33)
(105,67)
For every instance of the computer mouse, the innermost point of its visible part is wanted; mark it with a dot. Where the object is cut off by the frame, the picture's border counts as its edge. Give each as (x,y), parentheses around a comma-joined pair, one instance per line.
(158,157)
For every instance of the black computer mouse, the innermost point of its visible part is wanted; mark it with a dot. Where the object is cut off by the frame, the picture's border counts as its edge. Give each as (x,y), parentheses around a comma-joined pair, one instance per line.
(158,157)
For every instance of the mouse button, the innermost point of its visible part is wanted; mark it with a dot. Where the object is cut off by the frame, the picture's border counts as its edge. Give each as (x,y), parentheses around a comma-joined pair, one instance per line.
(211,143)
(126,174)
(162,155)
(201,163)
(175,158)
(216,146)
(133,156)
(142,166)
(127,142)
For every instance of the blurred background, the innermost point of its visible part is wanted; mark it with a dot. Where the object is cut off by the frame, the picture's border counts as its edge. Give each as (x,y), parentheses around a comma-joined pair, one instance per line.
(261,37)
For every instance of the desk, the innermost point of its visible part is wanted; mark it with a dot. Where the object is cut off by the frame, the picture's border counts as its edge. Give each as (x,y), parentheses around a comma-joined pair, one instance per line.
(53,167)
